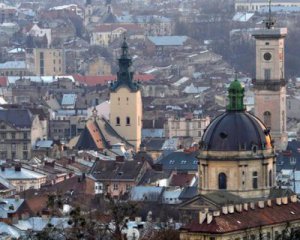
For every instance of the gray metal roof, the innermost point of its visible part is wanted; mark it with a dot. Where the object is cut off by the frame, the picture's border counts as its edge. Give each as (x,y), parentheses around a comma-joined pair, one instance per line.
(21,118)
(168,40)
(180,161)
(68,99)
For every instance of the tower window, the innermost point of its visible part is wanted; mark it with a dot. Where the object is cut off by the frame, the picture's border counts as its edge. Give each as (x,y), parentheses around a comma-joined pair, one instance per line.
(118,122)
(222,181)
(254,180)
(270,178)
(127,121)
(267,73)
(267,119)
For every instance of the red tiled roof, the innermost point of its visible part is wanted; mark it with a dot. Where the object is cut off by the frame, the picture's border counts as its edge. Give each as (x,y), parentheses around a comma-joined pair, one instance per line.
(237,221)
(95,134)
(102,80)
(3,81)
(182,179)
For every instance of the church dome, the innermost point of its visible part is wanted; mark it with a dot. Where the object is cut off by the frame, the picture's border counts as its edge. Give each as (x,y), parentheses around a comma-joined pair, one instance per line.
(236,129)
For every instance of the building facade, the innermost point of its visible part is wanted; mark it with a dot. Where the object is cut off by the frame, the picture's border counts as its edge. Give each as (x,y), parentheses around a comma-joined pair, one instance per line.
(126,109)
(19,130)
(186,127)
(256,5)
(46,61)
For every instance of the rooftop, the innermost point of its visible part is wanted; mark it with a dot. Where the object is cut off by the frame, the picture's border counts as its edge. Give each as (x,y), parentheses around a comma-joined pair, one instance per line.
(25,174)
(168,40)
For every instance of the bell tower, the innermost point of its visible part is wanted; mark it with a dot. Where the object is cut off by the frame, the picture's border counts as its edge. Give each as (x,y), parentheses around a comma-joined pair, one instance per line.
(126,102)
(269,83)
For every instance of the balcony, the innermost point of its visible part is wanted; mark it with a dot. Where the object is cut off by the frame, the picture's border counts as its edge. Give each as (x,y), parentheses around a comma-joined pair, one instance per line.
(271,85)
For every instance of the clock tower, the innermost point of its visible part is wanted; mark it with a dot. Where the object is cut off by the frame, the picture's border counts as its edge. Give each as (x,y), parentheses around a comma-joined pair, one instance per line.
(269,83)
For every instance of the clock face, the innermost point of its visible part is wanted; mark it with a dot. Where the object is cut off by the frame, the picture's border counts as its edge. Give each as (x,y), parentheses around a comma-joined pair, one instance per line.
(267,56)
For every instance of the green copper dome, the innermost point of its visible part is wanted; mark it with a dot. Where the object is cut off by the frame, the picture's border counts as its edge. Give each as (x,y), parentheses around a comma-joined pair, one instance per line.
(236,96)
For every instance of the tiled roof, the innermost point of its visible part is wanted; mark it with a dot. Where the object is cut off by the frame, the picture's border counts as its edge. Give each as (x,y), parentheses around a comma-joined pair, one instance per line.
(113,170)
(181,179)
(253,218)
(105,79)
(95,134)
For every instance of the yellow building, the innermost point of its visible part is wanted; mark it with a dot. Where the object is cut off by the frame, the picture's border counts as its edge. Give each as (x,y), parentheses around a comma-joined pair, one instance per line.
(126,102)
(98,66)
(46,61)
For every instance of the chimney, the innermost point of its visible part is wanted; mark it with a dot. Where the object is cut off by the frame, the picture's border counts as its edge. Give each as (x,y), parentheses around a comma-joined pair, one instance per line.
(261,204)
(284,200)
(17,197)
(239,207)
(269,203)
(202,216)
(294,198)
(225,210)
(252,205)
(278,201)
(209,217)
(119,159)
(246,206)
(230,208)
(18,167)
(216,213)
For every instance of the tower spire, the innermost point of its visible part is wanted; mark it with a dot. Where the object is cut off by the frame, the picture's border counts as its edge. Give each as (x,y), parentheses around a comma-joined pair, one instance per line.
(125,74)
(236,96)
(269,22)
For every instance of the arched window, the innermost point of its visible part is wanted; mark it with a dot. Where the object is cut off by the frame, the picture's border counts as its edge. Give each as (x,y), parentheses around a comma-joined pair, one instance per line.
(270,178)
(222,181)
(267,119)
(127,121)
(118,121)
(254,180)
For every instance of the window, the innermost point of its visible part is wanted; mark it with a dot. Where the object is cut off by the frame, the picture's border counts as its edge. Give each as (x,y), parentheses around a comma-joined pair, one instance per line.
(25,147)
(116,186)
(13,146)
(127,121)
(267,119)
(254,180)
(3,136)
(267,73)
(270,178)
(118,122)
(25,155)
(13,136)
(25,136)
(222,181)
(128,187)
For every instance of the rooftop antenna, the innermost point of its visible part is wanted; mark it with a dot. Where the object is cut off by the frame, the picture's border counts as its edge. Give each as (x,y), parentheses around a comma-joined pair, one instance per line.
(270,22)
